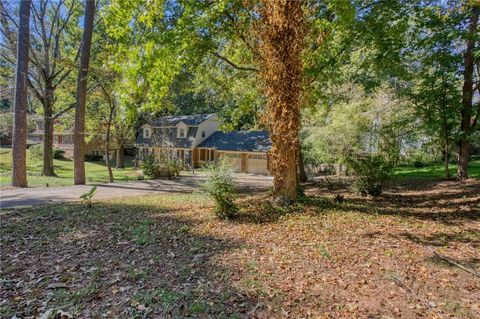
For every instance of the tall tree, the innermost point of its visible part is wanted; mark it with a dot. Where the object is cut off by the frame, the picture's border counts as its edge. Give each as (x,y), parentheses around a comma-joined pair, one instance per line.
(19,173)
(79,129)
(469,115)
(50,58)
(282,32)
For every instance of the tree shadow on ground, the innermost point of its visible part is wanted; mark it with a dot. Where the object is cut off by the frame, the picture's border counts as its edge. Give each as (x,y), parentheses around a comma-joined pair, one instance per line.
(118,259)
(470,263)
(445,202)
(440,239)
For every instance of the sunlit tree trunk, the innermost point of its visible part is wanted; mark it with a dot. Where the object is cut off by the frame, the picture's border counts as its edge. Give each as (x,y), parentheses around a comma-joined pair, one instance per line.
(79,132)
(467,111)
(281,33)
(48,121)
(19,163)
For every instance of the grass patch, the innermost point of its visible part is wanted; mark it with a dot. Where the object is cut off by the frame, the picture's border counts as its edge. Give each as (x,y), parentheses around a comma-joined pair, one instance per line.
(96,172)
(141,234)
(435,171)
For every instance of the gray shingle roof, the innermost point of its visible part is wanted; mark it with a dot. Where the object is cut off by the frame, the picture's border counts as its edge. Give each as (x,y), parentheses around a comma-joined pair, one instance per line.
(191,120)
(247,141)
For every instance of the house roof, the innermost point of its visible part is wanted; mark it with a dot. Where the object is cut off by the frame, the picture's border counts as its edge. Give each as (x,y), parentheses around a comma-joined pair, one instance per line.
(246,141)
(190,120)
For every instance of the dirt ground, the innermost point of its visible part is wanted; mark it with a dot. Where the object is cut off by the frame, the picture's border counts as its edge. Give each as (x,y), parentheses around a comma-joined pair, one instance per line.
(412,253)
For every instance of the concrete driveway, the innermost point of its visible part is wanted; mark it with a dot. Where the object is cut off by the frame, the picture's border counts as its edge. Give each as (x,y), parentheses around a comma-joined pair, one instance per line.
(13,198)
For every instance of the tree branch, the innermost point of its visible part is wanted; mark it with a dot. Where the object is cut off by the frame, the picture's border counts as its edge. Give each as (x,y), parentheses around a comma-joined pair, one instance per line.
(238,67)
(60,113)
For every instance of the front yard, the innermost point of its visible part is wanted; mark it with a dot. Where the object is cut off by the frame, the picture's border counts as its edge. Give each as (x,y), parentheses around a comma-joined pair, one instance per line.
(328,257)
(96,172)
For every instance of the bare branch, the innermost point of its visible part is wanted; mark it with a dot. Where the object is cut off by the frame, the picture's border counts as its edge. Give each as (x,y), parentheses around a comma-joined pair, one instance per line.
(65,110)
(238,67)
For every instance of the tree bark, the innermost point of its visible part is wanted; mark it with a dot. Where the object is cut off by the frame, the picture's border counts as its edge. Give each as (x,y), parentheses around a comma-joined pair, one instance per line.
(120,157)
(79,131)
(281,33)
(19,152)
(447,169)
(107,146)
(47,169)
(467,111)
(302,176)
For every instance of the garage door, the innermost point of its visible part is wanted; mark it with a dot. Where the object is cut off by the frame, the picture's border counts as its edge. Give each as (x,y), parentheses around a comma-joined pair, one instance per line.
(235,160)
(257,164)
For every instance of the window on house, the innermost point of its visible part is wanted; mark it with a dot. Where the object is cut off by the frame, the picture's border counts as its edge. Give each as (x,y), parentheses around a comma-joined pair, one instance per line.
(181,132)
(203,134)
(146,133)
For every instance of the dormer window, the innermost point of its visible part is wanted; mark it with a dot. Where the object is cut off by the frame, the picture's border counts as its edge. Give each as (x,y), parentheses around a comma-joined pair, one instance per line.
(181,132)
(203,134)
(147,133)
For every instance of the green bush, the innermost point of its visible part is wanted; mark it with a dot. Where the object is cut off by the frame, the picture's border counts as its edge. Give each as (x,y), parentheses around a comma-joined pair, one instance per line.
(153,168)
(418,164)
(219,186)
(370,172)
(36,151)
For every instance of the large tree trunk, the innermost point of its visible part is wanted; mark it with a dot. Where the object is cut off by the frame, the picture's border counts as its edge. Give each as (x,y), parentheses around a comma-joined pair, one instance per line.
(467,111)
(282,33)
(48,141)
(79,131)
(19,156)
(120,157)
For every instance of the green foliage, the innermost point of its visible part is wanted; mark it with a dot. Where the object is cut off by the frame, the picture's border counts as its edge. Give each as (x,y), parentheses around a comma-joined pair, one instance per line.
(36,151)
(6,123)
(141,233)
(220,187)
(370,173)
(88,196)
(356,121)
(165,167)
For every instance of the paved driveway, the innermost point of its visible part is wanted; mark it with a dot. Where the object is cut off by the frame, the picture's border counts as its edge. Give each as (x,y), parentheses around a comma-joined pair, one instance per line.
(185,184)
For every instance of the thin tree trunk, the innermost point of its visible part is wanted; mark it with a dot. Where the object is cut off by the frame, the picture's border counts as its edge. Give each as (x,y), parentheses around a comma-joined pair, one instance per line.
(467,111)
(79,131)
(301,167)
(447,153)
(48,142)
(19,156)
(120,157)
(107,146)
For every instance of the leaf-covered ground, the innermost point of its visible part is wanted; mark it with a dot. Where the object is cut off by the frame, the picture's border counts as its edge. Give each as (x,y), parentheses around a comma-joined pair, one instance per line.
(168,257)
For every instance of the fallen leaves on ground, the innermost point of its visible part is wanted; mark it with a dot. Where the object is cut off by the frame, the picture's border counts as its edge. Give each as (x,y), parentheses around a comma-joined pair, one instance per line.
(168,256)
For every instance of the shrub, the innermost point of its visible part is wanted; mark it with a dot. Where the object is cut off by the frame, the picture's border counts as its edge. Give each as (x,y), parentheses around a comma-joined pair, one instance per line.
(36,151)
(219,186)
(93,157)
(370,172)
(418,164)
(87,197)
(153,168)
